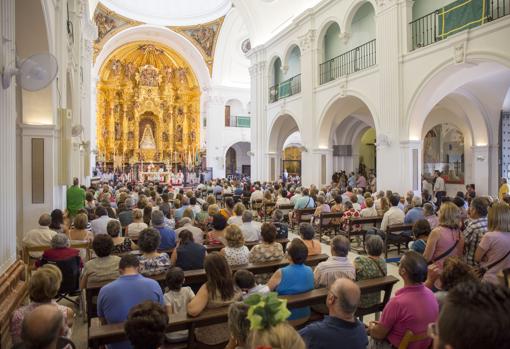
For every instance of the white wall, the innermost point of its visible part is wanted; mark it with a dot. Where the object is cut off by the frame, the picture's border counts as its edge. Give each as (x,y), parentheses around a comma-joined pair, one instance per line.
(424,7)
(7,141)
(399,91)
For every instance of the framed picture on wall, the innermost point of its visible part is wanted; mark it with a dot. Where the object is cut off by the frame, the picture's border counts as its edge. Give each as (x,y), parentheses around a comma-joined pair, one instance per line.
(443,150)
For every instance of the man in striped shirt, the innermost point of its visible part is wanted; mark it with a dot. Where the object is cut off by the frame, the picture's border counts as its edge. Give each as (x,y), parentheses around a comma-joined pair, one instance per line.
(476,227)
(337,266)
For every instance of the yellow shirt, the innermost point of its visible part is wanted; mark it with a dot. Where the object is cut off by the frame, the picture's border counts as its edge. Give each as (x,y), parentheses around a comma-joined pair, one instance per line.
(504,189)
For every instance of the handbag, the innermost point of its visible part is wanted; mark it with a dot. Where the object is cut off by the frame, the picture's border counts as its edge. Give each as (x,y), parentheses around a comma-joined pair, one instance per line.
(446,253)
(482,270)
(379,267)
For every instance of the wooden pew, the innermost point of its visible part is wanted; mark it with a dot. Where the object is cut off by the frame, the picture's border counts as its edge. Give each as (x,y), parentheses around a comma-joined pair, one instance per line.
(218,247)
(396,239)
(30,261)
(327,222)
(285,211)
(106,334)
(197,277)
(361,221)
(267,209)
(302,215)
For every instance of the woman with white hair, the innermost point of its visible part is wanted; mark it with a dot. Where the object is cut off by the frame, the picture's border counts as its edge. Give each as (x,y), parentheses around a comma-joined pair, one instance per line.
(60,250)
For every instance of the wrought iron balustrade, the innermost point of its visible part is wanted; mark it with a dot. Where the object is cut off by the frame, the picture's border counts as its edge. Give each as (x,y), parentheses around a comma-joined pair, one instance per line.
(239,121)
(359,58)
(284,89)
(455,17)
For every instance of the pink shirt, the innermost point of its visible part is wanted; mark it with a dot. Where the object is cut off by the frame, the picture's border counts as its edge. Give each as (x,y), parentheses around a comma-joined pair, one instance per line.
(412,308)
(447,238)
(496,245)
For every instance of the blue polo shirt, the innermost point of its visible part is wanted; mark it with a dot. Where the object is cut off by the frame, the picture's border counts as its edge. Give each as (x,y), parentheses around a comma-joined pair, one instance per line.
(118,297)
(327,333)
(167,238)
(304,202)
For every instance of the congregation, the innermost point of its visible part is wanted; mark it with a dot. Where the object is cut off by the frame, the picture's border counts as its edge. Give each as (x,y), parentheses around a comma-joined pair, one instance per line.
(458,250)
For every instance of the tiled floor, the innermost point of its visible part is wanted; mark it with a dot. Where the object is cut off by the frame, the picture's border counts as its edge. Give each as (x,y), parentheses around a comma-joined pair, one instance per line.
(80,326)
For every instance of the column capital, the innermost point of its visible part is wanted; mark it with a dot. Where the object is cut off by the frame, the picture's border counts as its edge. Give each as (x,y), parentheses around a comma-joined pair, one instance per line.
(411,144)
(307,40)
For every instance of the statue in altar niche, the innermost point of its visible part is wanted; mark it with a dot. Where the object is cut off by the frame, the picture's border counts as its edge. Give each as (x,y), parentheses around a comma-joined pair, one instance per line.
(131,135)
(147,141)
(118,131)
(149,76)
(129,70)
(168,73)
(178,133)
(116,67)
(165,136)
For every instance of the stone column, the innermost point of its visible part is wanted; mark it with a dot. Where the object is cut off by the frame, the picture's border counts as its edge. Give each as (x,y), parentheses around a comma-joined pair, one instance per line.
(411,160)
(87,100)
(259,96)
(480,165)
(215,109)
(310,163)
(7,140)
(273,166)
(391,172)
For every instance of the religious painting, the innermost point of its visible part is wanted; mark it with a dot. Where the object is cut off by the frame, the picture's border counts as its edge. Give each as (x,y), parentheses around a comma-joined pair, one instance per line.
(443,150)
(292,161)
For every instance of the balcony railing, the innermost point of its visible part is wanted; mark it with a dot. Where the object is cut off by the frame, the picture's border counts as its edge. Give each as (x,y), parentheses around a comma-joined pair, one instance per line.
(284,89)
(357,59)
(239,121)
(454,18)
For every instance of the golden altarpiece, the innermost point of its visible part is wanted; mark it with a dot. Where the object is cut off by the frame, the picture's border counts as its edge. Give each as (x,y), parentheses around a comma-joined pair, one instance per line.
(148,108)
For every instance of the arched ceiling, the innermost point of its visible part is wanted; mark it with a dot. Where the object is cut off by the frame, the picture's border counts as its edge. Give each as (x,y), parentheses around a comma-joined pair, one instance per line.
(263,18)
(170,12)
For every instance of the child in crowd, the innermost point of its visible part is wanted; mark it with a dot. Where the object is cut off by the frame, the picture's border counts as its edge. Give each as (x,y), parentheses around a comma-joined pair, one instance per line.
(421,232)
(245,280)
(176,300)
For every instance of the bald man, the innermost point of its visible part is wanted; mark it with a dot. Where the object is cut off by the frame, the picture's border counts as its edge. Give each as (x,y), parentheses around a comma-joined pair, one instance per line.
(42,327)
(40,236)
(342,302)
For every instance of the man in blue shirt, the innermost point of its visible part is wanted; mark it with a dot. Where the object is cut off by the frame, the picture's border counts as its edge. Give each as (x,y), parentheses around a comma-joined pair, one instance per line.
(118,297)
(305,201)
(342,302)
(184,205)
(167,234)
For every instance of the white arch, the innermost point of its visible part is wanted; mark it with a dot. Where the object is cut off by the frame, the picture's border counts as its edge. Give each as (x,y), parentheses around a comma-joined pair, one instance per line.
(352,101)
(324,27)
(231,144)
(288,51)
(444,79)
(164,36)
(270,71)
(283,125)
(351,12)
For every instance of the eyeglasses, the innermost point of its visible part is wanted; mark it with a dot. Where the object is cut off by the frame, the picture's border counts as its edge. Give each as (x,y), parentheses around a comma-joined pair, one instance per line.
(433,330)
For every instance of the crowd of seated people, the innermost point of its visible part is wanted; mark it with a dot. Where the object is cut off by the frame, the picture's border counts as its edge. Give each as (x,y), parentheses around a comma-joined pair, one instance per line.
(138,231)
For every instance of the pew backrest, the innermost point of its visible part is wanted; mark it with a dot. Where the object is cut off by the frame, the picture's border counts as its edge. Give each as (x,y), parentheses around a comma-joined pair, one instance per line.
(105,334)
(218,247)
(198,276)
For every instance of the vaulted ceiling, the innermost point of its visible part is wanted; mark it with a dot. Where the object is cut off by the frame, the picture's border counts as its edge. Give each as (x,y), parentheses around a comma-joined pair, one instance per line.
(263,18)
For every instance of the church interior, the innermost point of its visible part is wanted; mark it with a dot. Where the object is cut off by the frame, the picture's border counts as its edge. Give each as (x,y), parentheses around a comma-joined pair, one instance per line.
(254,174)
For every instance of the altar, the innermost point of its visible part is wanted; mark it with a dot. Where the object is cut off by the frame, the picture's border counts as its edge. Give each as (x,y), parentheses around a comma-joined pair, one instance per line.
(148,112)
(154,176)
